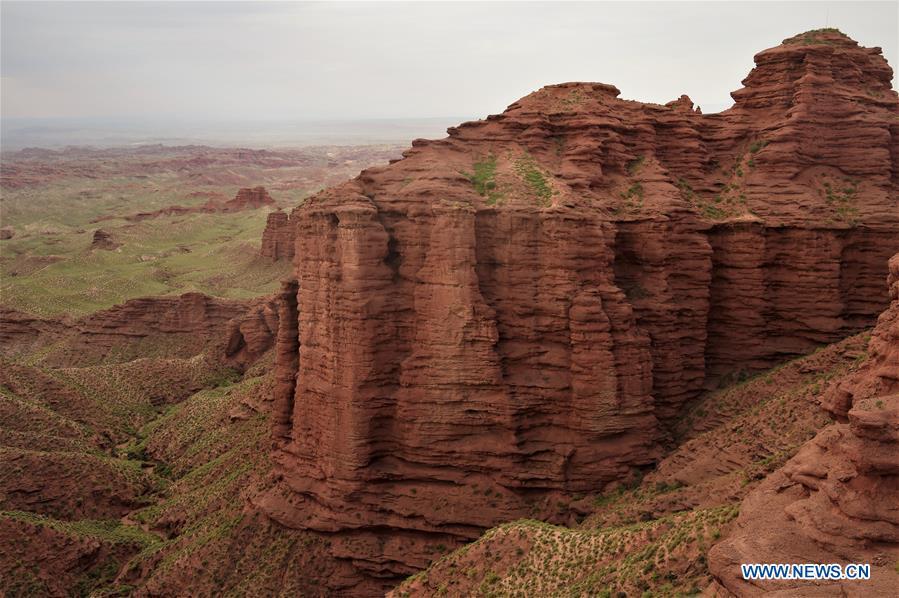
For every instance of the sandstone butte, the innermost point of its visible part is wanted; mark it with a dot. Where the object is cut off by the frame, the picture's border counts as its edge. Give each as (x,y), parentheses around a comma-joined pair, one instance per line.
(246,199)
(518,312)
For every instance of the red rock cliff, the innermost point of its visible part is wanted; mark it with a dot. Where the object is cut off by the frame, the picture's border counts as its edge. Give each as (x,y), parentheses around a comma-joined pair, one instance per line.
(247,199)
(178,326)
(515,312)
(278,237)
(837,500)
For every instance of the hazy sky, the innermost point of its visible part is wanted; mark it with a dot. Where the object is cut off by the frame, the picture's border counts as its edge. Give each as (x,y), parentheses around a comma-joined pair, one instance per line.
(260,61)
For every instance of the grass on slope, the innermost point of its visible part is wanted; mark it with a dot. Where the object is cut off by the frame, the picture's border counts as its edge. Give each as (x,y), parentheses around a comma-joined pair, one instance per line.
(532,558)
(110,531)
(211,253)
(111,401)
(80,558)
(652,539)
(215,448)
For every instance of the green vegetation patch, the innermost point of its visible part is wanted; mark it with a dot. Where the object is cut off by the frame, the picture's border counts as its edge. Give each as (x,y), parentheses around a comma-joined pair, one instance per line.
(727,203)
(815,36)
(550,560)
(537,181)
(110,531)
(841,197)
(756,146)
(217,254)
(484,179)
(633,197)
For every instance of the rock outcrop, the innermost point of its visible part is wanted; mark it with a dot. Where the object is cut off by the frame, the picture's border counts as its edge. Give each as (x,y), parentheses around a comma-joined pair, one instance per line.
(278,237)
(519,311)
(237,333)
(837,500)
(879,374)
(20,330)
(253,333)
(103,240)
(193,314)
(246,199)
(58,560)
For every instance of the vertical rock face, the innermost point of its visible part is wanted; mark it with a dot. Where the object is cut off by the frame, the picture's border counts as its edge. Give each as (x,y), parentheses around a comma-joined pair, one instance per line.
(251,334)
(837,500)
(247,199)
(515,313)
(278,237)
(778,292)
(286,362)
(171,326)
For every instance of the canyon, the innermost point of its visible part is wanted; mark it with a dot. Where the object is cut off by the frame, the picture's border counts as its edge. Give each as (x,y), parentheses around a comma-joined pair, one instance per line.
(586,345)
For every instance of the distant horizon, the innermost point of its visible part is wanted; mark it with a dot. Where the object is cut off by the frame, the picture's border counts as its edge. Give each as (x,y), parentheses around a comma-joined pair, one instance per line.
(294,74)
(61,132)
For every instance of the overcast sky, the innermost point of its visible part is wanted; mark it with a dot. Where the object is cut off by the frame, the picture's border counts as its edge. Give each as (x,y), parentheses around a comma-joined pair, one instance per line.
(269,61)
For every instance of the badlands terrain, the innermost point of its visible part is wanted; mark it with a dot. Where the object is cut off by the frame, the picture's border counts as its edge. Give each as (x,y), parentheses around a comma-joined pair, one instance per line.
(586,347)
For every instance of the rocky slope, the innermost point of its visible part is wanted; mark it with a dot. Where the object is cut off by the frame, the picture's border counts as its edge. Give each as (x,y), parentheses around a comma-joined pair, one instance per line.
(837,500)
(72,397)
(520,311)
(653,535)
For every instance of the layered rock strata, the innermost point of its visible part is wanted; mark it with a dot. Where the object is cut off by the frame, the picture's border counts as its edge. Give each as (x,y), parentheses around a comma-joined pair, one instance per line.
(20,331)
(253,333)
(278,237)
(837,500)
(238,333)
(249,198)
(517,312)
(191,314)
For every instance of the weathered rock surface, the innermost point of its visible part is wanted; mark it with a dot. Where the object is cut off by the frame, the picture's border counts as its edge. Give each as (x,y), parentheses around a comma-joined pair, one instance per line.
(20,330)
(67,485)
(521,309)
(879,375)
(246,199)
(837,500)
(103,240)
(238,333)
(253,333)
(193,319)
(278,237)
(41,559)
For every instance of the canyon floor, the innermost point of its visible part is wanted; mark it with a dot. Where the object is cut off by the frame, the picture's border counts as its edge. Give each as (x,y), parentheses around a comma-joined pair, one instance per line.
(586,347)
